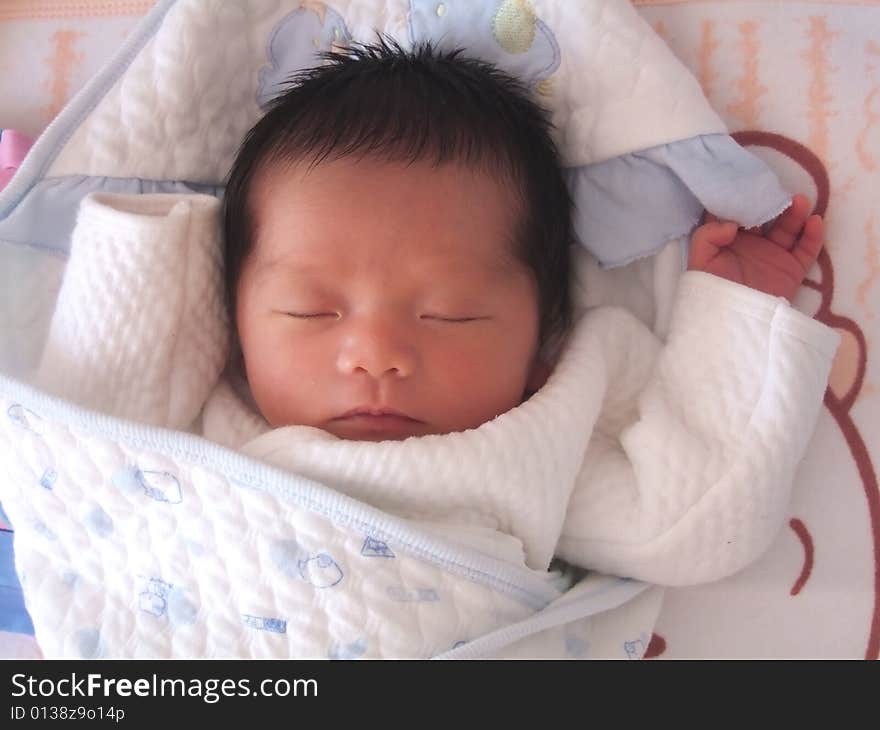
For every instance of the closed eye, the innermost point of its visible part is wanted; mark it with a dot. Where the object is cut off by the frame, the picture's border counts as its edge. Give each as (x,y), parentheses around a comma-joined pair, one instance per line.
(311,315)
(439,318)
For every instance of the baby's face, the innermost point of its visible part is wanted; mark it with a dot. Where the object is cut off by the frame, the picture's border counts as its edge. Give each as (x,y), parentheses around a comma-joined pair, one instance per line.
(383,301)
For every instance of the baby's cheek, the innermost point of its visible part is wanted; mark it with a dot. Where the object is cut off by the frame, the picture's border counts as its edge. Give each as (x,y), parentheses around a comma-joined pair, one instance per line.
(280,381)
(480,383)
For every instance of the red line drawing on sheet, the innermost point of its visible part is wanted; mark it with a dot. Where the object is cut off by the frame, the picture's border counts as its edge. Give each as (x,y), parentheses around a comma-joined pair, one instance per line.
(839,399)
(872,263)
(706,74)
(807,541)
(656,647)
(747,110)
(63,60)
(819,94)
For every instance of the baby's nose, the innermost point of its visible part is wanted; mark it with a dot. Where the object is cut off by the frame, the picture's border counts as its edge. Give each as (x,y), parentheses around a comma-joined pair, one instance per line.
(377,349)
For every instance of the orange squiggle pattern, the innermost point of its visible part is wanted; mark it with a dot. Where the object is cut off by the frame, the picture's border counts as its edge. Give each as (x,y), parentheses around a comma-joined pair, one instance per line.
(746,110)
(819,94)
(706,74)
(54,9)
(872,117)
(872,263)
(63,60)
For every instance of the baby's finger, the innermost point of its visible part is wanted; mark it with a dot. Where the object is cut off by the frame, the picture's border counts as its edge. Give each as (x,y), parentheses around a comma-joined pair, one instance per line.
(810,243)
(786,228)
(717,233)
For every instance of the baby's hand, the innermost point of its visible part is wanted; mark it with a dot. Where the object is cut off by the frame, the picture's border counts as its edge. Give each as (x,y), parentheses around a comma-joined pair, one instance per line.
(775,262)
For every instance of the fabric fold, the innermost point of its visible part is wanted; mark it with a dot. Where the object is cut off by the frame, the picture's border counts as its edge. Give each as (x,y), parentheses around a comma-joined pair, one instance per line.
(631,206)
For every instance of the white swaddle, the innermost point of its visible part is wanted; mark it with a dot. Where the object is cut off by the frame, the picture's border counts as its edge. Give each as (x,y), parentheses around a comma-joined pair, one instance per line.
(665,425)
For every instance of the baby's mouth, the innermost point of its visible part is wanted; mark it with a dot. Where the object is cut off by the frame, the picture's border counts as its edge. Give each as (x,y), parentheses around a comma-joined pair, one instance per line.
(376,424)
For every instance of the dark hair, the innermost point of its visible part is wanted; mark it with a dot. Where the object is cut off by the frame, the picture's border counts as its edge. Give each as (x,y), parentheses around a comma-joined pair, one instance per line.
(389,103)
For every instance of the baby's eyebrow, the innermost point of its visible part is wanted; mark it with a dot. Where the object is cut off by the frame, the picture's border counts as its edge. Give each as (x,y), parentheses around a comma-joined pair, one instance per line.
(453,267)
(281,265)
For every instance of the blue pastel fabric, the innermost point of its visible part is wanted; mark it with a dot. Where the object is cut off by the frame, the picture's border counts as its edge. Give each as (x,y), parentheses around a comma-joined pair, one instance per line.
(631,206)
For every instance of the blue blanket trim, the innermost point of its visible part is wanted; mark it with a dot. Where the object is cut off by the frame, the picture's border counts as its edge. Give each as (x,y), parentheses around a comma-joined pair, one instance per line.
(14,617)
(609,592)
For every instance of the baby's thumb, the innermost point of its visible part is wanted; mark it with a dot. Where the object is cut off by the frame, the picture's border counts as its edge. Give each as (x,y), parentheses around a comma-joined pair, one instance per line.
(708,239)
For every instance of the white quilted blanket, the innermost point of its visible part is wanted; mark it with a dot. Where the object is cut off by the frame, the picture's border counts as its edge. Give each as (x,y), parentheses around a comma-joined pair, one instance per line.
(147,544)
(136,541)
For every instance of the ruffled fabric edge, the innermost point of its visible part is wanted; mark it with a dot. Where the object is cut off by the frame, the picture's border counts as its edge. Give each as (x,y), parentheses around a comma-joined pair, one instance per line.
(631,206)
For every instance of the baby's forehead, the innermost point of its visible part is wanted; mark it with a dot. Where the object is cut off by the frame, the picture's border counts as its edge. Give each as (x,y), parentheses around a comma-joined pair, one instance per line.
(314,263)
(351,213)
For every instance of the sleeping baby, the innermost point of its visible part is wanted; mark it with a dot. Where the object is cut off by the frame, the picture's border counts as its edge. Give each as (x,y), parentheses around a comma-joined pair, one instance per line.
(397,257)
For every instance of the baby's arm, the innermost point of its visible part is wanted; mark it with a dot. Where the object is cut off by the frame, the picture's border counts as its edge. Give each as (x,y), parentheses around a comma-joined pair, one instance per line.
(688,475)
(139,329)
